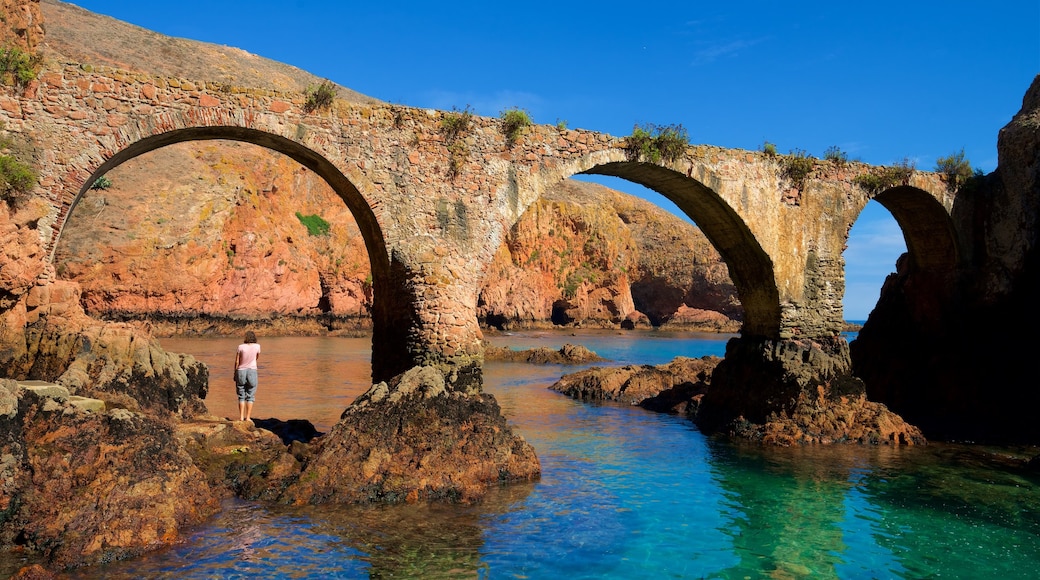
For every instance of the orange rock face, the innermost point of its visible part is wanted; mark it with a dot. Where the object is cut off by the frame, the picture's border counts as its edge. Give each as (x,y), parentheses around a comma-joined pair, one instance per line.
(215,230)
(212,229)
(590,255)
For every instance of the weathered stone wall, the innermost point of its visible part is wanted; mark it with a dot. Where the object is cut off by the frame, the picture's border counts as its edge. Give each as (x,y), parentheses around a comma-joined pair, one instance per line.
(433,213)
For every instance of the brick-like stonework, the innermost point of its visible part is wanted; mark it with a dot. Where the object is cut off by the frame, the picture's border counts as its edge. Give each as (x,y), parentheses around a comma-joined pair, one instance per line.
(431,232)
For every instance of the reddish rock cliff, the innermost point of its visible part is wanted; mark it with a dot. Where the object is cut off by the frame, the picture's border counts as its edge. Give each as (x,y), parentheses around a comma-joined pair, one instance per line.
(590,255)
(211,229)
(197,235)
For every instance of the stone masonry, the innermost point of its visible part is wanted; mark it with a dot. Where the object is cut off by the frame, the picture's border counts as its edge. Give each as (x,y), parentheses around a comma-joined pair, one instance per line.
(431,229)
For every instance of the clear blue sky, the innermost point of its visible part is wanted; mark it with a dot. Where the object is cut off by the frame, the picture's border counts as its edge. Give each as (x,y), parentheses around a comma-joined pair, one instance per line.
(882,80)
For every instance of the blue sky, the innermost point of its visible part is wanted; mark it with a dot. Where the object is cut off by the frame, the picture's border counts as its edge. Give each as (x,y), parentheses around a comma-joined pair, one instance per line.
(882,80)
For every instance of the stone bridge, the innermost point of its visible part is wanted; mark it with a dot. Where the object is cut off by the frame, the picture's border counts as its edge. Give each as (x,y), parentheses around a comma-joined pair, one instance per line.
(434,208)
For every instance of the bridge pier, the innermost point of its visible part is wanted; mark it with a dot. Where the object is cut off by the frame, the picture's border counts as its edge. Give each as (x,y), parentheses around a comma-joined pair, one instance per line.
(790,391)
(425,318)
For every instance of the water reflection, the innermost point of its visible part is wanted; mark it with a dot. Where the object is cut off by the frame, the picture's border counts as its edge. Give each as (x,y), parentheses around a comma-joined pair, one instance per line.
(624,493)
(796,512)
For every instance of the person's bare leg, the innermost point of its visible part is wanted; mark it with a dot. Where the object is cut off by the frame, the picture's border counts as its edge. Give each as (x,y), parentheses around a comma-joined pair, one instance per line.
(241,410)
(249,410)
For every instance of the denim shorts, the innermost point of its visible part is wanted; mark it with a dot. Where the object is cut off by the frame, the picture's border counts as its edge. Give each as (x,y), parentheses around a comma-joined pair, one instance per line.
(245,384)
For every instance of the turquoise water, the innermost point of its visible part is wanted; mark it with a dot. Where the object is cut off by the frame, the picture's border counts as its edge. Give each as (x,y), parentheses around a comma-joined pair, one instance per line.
(627,493)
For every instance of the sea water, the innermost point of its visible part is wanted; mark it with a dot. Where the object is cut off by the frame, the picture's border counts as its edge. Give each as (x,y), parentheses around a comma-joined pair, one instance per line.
(624,493)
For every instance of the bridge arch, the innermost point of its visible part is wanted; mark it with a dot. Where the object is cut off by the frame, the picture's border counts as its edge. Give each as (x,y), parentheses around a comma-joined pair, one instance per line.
(306,156)
(927,226)
(387,306)
(749,265)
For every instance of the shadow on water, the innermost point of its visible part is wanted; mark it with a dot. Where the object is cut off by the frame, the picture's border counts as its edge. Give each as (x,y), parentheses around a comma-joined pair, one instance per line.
(291,430)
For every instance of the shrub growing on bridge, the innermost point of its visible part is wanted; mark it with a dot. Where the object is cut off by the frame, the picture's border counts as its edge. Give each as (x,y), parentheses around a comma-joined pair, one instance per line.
(16,176)
(514,121)
(797,166)
(102,182)
(880,180)
(657,143)
(454,126)
(456,123)
(320,98)
(18,67)
(955,167)
(835,154)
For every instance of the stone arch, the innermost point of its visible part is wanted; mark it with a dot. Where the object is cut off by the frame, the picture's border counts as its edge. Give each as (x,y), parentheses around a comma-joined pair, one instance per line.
(927,226)
(386,343)
(749,265)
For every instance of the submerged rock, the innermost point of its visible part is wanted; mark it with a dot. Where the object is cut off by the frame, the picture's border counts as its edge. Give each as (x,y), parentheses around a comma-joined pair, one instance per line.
(568,354)
(414,439)
(676,387)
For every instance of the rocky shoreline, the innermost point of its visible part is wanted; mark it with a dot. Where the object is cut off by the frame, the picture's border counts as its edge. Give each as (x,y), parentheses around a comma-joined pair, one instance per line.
(166,326)
(109,452)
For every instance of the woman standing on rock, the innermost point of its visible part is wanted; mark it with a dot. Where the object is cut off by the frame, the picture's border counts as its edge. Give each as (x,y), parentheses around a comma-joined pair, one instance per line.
(246,376)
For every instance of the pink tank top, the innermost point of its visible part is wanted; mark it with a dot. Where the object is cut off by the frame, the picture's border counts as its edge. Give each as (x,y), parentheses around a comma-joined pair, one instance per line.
(247,355)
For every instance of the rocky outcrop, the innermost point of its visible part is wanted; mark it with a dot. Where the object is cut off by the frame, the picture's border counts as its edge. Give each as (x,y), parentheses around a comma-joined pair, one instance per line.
(815,400)
(835,412)
(568,354)
(85,484)
(240,459)
(412,440)
(48,337)
(22,260)
(675,387)
(827,417)
(686,318)
(22,23)
(953,353)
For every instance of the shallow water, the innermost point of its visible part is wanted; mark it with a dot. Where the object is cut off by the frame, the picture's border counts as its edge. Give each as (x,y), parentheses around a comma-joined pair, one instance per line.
(624,493)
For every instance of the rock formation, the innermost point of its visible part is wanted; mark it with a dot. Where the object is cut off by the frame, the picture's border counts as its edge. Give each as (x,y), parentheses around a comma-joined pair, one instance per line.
(817,399)
(84,484)
(676,387)
(953,353)
(413,440)
(568,354)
